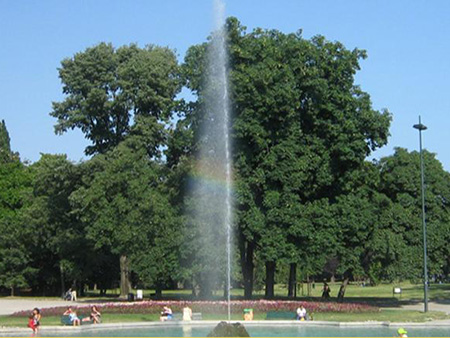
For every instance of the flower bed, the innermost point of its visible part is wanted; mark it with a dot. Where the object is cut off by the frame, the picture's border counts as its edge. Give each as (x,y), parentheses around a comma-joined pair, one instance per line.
(217,307)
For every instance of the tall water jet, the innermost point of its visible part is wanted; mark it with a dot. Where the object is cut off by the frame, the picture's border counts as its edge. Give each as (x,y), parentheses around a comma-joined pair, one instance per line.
(211,199)
(221,62)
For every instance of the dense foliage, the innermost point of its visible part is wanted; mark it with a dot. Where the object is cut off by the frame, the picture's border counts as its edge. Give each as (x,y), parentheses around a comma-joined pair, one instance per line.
(308,205)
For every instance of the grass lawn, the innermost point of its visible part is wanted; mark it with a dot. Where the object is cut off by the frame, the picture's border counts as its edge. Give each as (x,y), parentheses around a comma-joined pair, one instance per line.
(354,292)
(382,291)
(383,315)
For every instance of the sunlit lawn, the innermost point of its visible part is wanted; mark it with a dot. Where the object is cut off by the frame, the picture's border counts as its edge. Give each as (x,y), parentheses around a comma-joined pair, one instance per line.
(409,291)
(380,293)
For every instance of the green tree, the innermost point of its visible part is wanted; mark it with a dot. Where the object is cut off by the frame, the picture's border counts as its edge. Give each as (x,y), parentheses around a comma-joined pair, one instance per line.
(380,223)
(5,147)
(400,181)
(57,236)
(15,256)
(369,237)
(6,155)
(122,100)
(107,88)
(126,211)
(301,127)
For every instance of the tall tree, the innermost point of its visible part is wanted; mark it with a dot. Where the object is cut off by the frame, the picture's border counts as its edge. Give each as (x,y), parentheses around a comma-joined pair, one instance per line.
(107,88)
(5,147)
(125,210)
(58,237)
(400,181)
(301,127)
(6,155)
(15,255)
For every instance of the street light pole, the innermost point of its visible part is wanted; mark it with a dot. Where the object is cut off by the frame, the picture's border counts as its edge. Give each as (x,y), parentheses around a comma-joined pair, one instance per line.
(422,127)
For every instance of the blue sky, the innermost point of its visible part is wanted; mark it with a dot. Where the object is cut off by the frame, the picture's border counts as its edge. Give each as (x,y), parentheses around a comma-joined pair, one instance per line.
(407,71)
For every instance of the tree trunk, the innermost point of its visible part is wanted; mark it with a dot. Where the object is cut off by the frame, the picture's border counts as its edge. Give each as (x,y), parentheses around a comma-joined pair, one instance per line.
(247,251)
(308,285)
(206,285)
(63,285)
(270,279)
(194,288)
(206,292)
(124,277)
(158,292)
(225,290)
(292,280)
(12,291)
(341,293)
(82,289)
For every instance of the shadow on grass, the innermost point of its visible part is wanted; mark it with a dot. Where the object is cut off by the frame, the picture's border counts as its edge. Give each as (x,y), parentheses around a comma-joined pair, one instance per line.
(439,293)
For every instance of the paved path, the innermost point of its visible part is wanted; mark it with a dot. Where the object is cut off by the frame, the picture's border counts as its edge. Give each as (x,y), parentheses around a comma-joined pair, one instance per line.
(432,306)
(10,305)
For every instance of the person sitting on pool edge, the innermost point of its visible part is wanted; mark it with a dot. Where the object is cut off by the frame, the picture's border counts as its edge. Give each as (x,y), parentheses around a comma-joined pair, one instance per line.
(72,316)
(166,314)
(301,313)
(248,314)
(94,317)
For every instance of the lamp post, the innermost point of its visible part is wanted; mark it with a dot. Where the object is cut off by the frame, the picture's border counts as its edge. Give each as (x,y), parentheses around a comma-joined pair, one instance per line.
(420,127)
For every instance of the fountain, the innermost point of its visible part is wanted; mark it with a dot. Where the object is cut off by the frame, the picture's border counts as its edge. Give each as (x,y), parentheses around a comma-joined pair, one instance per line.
(224,329)
(212,189)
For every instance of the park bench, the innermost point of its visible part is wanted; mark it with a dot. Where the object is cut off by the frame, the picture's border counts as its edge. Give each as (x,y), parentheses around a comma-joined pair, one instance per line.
(281,315)
(65,320)
(179,316)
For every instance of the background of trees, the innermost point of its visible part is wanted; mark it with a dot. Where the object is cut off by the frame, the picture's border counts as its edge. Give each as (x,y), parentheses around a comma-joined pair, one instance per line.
(308,204)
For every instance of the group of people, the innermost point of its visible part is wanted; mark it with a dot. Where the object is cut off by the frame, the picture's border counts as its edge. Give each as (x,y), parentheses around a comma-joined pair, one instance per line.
(94,317)
(301,314)
(34,320)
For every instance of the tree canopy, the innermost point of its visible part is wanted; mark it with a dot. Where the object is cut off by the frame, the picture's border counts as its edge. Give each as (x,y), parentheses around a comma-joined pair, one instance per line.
(308,203)
(106,88)
(301,127)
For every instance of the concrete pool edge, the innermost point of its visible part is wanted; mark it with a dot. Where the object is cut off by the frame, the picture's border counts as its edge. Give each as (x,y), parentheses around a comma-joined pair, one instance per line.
(134,325)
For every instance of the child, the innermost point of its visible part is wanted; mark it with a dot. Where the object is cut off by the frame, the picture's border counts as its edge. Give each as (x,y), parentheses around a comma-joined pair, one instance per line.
(34,320)
(32,324)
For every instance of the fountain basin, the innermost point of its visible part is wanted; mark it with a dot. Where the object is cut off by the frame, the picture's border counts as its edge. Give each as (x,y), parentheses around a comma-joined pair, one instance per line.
(255,329)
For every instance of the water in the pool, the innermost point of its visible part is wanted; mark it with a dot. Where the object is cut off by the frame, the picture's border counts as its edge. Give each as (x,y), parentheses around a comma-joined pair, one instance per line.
(255,331)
